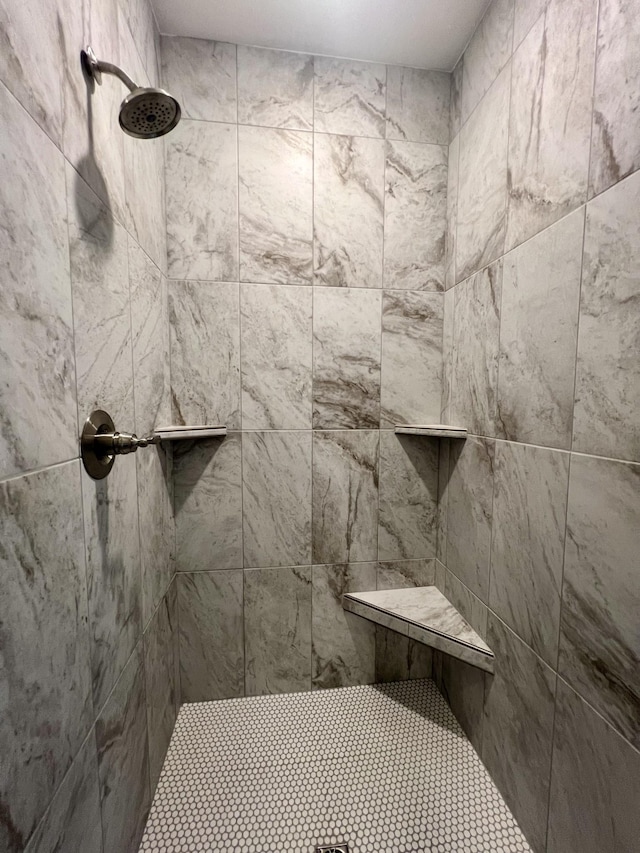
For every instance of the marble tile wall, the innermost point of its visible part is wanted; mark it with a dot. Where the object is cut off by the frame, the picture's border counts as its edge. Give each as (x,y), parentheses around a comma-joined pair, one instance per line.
(539,512)
(88,613)
(306,222)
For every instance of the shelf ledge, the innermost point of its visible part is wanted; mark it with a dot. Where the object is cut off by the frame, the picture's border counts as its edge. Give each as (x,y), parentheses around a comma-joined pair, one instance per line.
(425,615)
(180,433)
(435,430)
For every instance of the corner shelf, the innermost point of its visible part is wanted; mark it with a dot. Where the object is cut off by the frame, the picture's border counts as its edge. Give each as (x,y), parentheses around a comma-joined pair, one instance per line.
(180,433)
(434,430)
(425,615)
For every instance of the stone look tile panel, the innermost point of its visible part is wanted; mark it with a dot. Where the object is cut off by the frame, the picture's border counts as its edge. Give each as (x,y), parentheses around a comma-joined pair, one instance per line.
(275,88)
(349,97)
(418,105)
(201,74)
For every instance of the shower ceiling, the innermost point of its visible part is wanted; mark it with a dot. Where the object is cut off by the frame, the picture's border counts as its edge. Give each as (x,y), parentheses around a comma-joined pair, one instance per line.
(423,33)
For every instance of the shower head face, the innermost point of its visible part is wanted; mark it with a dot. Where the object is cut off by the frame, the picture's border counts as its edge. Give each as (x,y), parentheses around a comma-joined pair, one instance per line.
(149,113)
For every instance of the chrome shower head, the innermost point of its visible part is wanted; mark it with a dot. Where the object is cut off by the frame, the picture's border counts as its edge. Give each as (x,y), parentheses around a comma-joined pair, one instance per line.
(146,112)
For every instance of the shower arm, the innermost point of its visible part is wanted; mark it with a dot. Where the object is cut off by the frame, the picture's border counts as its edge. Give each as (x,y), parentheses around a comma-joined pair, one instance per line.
(95,68)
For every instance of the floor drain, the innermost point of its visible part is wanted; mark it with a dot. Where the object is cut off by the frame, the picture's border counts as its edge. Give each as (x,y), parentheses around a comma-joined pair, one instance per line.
(333,848)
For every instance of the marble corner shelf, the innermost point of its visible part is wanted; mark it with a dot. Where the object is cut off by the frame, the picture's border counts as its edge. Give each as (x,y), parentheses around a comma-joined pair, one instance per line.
(179,433)
(425,615)
(434,430)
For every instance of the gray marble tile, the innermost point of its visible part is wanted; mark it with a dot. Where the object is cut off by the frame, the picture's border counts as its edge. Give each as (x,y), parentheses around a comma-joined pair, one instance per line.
(452,213)
(456,99)
(448,354)
(607,373)
(599,640)
(615,149)
(202,201)
(201,74)
(139,17)
(276,205)
(470,513)
(45,680)
(346,358)
(275,88)
(418,105)
(37,395)
(482,187)
(277,613)
(157,532)
(408,497)
(113,572)
(411,377)
(594,783)
(443,499)
(99,266)
(348,211)
(150,340)
(276,476)
(276,344)
(415,216)
(349,97)
(208,504)
(160,674)
(468,604)
(72,820)
(529,518)
(345,496)
(550,122)
(205,352)
(474,383)
(463,686)
(486,55)
(399,658)
(211,635)
(518,729)
(527,13)
(123,760)
(538,335)
(343,645)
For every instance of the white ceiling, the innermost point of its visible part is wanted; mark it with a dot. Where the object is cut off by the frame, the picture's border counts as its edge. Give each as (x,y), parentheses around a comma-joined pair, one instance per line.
(423,33)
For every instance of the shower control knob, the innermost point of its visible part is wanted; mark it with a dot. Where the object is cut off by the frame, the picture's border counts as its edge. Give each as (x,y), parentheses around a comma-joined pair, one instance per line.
(100,443)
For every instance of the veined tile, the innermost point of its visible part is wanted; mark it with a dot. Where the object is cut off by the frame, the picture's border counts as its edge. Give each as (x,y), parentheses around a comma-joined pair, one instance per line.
(418,105)
(349,97)
(201,74)
(452,213)
(487,53)
(275,88)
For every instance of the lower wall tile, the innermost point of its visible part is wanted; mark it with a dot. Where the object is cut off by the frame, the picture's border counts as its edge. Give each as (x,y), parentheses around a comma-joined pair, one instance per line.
(463,686)
(277,630)
(594,783)
(211,635)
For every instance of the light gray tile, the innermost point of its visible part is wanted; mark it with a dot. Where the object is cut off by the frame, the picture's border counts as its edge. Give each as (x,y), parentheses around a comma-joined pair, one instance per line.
(482,187)
(45,681)
(343,645)
(470,496)
(276,475)
(346,358)
(402,574)
(463,685)
(418,105)
(487,53)
(37,394)
(139,17)
(594,783)
(415,216)
(208,504)
(443,498)
(160,674)
(205,353)
(202,201)
(615,146)
(538,335)
(276,205)
(529,517)
(211,635)
(278,630)
(608,375)
(527,13)
(452,213)
(155,512)
(275,88)
(201,74)
(73,821)
(113,572)
(123,760)
(408,497)
(469,605)
(101,306)
(448,354)
(456,98)
(345,496)
(550,122)
(348,210)
(411,358)
(599,639)
(349,97)
(276,338)
(474,384)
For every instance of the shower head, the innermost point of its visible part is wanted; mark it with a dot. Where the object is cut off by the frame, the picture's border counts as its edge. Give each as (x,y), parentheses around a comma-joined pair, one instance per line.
(146,112)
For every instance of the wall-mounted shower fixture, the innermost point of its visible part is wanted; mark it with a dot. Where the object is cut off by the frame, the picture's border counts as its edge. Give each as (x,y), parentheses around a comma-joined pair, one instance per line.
(146,112)
(100,443)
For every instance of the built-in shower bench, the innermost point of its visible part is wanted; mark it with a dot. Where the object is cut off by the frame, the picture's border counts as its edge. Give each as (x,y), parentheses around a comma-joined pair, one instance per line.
(425,615)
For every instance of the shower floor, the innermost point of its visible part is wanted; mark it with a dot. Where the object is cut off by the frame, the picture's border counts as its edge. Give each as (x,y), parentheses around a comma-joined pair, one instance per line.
(383,767)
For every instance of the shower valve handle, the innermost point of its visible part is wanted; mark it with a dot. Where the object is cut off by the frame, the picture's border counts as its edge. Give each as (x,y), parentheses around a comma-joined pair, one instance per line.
(100,443)
(121,442)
